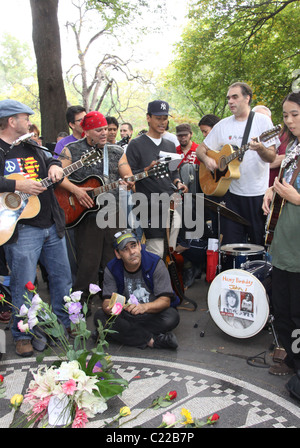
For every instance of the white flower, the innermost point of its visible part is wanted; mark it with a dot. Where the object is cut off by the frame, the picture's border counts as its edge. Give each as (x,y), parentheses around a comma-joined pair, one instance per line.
(91,404)
(67,299)
(32,322)
(36,301)
(93,289)
(23,310)
(76,296)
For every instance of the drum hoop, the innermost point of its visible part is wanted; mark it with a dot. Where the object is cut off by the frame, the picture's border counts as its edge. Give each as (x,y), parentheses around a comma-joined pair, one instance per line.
(242,249)
(261,303)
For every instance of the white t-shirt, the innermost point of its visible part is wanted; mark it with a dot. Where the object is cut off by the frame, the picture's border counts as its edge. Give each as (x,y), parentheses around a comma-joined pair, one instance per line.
(254,172)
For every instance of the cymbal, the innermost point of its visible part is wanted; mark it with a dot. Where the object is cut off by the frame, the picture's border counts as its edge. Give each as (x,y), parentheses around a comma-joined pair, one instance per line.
(224,211)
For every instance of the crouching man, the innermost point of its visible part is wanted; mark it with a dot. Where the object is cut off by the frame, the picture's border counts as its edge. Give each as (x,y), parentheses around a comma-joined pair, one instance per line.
(149,315)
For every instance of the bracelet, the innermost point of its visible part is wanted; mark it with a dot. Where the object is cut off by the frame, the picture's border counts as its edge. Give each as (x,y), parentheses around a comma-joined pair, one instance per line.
(177,182)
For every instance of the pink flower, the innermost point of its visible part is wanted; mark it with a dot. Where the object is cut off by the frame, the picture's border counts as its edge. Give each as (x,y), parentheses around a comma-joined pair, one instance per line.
(168,418)
(80,419)
(41,405)
(69,387)
(117,309)
(24,328)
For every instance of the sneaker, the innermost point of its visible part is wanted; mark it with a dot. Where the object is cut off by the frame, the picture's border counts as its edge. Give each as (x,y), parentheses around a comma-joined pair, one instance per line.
(281,369)
(167,340)
(24,348)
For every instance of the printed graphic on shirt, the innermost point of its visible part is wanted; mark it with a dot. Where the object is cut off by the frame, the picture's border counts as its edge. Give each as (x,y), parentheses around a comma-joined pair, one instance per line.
(28,167)
(137,287)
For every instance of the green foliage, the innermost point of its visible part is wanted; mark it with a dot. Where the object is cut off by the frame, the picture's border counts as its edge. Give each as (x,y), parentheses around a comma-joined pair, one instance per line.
(228,41)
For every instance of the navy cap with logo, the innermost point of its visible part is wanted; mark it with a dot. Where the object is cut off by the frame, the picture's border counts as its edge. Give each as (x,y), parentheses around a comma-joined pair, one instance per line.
(123,238)
(158,107)
(8,108)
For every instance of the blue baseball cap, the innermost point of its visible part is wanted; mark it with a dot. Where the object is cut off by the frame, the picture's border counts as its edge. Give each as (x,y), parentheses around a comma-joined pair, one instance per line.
(9,108)
(158,107)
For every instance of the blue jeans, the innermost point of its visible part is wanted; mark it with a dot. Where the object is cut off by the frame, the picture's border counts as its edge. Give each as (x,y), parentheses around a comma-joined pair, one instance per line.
(22,257)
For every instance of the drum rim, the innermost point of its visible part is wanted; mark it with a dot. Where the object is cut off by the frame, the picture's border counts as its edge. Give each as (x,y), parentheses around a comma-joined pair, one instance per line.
(213,307)
(240,249)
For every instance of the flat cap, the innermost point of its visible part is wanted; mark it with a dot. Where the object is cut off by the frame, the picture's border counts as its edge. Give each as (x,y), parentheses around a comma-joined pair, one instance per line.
(8,108)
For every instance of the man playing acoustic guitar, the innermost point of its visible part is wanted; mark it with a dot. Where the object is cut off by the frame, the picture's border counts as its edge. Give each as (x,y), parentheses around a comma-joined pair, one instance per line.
(245,193)
(41,234)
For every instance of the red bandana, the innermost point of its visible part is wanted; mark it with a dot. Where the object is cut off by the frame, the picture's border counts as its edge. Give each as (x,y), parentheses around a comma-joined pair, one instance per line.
(93,120)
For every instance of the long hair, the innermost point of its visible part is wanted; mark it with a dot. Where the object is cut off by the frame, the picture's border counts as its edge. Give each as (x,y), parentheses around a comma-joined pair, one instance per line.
(294,97)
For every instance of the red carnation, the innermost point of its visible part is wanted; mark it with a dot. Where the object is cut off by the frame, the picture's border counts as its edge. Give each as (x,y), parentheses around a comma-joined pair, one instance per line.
(212,419)
(172,395)
(1,379)
(30,286)
(2,296)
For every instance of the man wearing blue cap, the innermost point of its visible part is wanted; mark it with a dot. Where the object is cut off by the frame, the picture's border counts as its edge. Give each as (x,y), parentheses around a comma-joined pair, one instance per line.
(141,277)
(39,236)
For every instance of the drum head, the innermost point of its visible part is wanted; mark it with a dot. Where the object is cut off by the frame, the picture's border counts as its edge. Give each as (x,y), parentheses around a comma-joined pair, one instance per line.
(242,249)
(238,303)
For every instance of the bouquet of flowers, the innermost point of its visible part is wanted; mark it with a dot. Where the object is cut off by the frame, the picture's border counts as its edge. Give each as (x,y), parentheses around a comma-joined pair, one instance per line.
(77,386)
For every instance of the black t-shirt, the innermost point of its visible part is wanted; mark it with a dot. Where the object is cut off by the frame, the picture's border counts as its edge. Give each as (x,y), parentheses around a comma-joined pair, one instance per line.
(140,152)
(25,160)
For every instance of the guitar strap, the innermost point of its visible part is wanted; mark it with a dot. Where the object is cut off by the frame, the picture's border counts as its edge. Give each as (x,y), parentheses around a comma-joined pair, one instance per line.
(247,131)
(295,172)
(105,162)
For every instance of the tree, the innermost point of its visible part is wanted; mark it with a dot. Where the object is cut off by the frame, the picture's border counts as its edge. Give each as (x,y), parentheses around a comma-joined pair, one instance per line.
(227,41)
(108,68)
(46,40)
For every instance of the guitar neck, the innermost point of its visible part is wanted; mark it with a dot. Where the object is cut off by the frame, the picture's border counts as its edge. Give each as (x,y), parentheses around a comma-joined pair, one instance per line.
(47,182)
(236,154)
(113,185)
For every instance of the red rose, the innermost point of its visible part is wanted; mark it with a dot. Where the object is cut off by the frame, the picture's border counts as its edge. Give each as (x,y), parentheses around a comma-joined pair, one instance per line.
(172,395)
(1,379)
(2,296)
(30,286)
(212,419)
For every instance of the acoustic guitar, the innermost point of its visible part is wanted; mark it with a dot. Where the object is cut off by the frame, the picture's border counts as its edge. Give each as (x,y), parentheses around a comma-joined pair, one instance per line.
(217,182)
(75,212)
(278,202)
(18,205)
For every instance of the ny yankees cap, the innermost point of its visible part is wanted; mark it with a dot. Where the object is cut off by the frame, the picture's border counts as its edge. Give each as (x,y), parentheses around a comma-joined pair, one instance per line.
(158,107)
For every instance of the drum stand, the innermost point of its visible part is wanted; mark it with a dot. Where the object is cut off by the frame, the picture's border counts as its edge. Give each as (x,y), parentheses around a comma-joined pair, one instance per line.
(255,361)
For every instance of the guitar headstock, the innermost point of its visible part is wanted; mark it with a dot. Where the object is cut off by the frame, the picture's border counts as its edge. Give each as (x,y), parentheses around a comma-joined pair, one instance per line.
(159,170)
(271,133)
(91,157)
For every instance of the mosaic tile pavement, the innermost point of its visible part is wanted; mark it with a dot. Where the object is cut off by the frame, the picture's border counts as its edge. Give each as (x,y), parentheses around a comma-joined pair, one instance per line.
(203,392)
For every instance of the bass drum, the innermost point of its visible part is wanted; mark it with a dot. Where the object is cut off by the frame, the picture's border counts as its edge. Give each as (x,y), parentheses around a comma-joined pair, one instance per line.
(238,301)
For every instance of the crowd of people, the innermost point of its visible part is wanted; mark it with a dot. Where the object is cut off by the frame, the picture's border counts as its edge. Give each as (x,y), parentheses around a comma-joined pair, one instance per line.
(99,249)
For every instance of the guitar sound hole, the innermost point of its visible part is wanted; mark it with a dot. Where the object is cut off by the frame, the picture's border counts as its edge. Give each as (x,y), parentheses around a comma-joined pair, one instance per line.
(222,163)
(12,200)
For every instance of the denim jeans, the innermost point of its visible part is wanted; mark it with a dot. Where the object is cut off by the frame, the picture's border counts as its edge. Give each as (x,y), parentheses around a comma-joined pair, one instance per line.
(22,257)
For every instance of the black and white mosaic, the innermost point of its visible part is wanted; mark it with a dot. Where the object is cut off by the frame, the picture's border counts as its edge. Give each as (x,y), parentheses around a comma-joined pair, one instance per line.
(203,392)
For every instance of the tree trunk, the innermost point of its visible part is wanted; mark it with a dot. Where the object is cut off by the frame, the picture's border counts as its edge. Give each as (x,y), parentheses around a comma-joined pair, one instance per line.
(46,41)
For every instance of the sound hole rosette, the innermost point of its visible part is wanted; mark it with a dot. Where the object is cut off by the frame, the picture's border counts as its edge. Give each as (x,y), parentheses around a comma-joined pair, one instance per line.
(236,324)
(12,201)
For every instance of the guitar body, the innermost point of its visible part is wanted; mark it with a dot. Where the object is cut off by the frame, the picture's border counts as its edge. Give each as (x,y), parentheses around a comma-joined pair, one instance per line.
(74,212)
(217,183)
(13,208)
